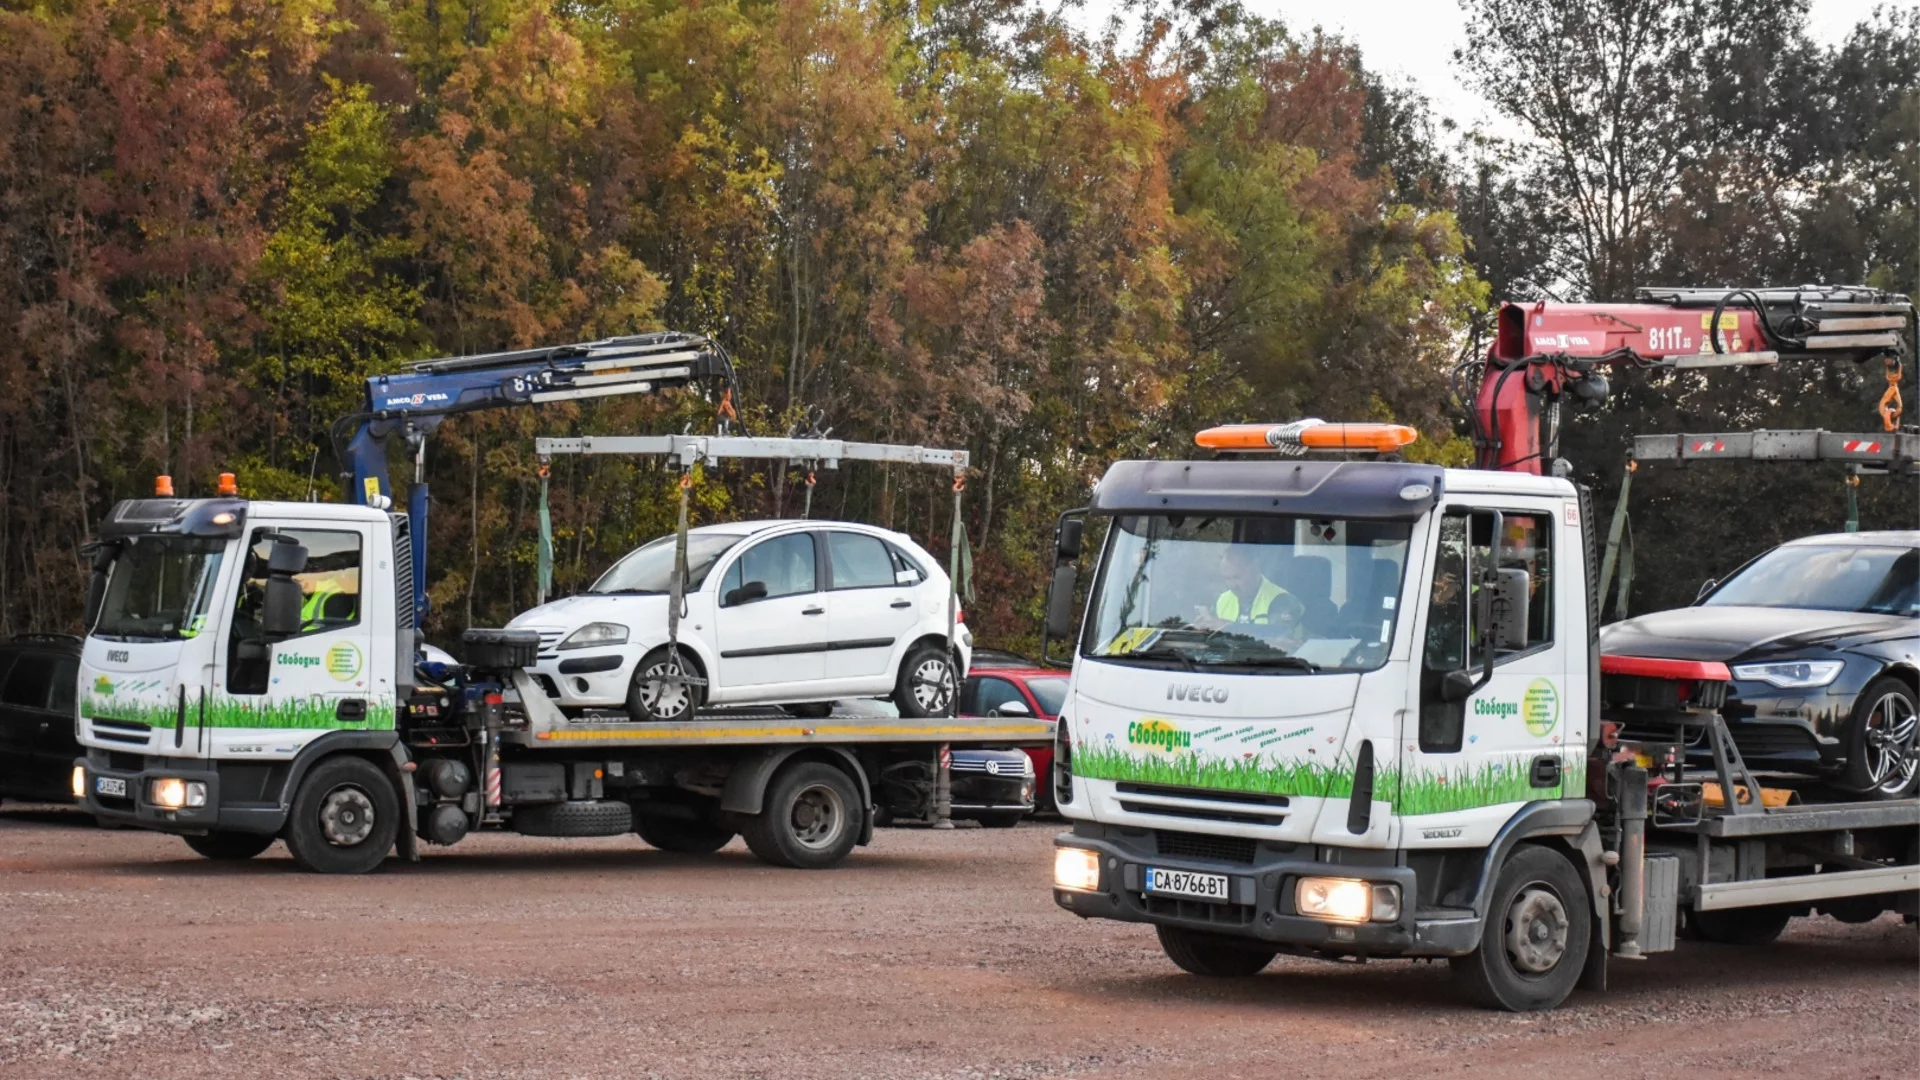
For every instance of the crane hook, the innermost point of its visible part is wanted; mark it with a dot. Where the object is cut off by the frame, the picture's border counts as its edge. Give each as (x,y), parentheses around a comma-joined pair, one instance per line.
(1890,404)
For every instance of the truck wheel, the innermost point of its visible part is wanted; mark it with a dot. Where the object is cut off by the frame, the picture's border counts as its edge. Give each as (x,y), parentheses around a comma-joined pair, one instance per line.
(810,820)
(344,817)
(681,835)
(229,846)
(925,685)
(584,817)
(1738,926)
(1215,957)
(1535,939)
(1883,745)
(652,698)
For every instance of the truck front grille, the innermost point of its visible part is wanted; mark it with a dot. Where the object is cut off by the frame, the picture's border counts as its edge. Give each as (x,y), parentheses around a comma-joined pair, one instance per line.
(1233,849)
(120,731)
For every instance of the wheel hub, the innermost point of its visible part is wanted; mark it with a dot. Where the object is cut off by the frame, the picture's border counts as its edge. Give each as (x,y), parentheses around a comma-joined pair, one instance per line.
(346,817)
(932,685)
(664,692)
(1892,726)
(816,817)
(1536,930)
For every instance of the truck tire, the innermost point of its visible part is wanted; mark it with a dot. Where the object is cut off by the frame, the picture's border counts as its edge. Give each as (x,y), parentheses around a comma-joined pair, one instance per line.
(925,684)
(1212,956)
(1883,742)
(684,836)
(810,819)
(1534,943)
(344,817)
(651,700)
(229,846)
(1738,926)
(586,817)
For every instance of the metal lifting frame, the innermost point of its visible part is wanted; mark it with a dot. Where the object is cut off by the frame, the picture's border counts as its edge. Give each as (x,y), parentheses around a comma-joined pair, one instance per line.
(689,450)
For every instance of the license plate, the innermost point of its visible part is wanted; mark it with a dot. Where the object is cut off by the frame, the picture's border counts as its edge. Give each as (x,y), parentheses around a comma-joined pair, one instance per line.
(110,785)
(1187,883)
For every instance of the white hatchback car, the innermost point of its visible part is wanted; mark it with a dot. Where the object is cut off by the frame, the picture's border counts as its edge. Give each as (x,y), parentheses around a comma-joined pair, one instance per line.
(793,613)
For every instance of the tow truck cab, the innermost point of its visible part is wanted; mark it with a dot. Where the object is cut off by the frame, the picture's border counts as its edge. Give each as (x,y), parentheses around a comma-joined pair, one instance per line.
(1380,745)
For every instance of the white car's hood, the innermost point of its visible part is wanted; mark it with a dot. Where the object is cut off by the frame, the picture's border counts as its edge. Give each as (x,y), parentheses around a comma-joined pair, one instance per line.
(573,612)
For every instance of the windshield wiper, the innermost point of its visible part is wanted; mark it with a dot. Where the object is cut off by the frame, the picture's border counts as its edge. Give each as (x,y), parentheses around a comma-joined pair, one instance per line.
(1300,662)
(633,592)
(1156,652)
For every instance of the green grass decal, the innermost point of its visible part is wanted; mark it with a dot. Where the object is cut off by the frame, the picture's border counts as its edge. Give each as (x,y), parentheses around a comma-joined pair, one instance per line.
(223,711)
(1419,792)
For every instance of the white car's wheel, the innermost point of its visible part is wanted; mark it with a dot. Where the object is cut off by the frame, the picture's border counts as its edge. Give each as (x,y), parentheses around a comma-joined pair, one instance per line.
(660,692)
(925,684)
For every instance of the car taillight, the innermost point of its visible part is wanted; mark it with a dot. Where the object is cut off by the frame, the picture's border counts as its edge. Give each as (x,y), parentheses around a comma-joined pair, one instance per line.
(960,615)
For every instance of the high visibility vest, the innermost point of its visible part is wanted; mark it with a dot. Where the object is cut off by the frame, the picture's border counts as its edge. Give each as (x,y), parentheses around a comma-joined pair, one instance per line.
(1227,607)
(314,607)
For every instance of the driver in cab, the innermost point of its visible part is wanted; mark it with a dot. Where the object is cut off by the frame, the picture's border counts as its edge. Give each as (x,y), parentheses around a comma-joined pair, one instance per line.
(1248,599)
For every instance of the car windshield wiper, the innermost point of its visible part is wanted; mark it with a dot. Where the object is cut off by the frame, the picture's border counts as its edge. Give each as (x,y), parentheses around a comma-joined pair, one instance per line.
(632,592)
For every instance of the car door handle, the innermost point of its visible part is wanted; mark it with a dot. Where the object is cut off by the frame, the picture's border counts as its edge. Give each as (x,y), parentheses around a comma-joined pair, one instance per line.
(901,604)
(813,611)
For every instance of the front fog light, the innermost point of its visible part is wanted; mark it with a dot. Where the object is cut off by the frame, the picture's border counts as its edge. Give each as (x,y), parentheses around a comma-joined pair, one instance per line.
(173,793)
(1076,868)
(1347,900)
(79,781)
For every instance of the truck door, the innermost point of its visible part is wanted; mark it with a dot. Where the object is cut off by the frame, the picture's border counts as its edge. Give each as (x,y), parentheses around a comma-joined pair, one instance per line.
(327,676)
(1505,742)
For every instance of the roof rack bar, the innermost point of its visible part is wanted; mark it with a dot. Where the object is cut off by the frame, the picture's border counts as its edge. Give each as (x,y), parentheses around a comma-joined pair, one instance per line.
(688,449)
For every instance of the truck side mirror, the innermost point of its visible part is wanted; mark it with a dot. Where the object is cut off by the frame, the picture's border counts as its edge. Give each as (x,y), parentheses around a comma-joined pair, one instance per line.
(1457,686)
(280,607)
(1066,542)
(1705,588)
(746,594)
(1066,578)
(1511,595)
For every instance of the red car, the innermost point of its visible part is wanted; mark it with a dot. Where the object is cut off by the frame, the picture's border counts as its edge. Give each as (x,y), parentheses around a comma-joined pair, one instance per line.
(1001,684)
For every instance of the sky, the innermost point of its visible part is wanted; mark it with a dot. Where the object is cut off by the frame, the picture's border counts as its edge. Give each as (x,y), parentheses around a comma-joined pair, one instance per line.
(1415,40)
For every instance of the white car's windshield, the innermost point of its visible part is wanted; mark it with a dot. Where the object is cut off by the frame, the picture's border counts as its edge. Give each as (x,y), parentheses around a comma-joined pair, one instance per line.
(1840,577)
(1279,593)
(650,569)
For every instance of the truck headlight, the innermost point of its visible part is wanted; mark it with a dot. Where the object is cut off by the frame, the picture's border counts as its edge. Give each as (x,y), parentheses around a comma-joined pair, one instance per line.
(79,781)
(596,633)
(1792,675)
(1077,869)
(1347,900)
(173,793)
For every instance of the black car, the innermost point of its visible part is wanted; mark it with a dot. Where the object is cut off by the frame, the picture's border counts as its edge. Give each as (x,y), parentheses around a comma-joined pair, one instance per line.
(1823,638)
(37,747)
(992,787)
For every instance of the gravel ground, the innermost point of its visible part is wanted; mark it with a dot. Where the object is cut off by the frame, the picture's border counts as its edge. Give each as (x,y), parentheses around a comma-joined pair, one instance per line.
(926,955)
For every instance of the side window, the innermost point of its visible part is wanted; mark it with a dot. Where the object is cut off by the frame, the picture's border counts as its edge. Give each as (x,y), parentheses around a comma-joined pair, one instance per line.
(995,693)
(1525,543)
(859,561)
(1445,648)
(905,564)
(66,673)
(785,564)
(329,599)
(28,684)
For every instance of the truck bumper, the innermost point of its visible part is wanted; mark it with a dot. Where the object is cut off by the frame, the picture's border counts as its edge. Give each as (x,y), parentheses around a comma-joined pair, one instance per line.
(1261,907)
(136,808)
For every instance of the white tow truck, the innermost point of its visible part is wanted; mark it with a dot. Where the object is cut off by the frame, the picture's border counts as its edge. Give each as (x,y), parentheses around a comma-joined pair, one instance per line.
(1356,709)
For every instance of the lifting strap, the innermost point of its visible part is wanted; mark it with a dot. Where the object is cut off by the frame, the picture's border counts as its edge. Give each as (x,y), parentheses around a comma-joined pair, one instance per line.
(544,561)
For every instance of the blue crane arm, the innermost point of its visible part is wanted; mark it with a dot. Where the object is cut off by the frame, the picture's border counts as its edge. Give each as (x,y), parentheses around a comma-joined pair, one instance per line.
(415,401)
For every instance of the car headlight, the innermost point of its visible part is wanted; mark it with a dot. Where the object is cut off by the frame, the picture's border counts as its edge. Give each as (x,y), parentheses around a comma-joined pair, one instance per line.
(1076,868)
(1792,674)
(596,633)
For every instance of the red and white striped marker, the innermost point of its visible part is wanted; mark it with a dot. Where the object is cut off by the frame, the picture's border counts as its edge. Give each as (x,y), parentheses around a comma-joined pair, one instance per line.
(1860,446)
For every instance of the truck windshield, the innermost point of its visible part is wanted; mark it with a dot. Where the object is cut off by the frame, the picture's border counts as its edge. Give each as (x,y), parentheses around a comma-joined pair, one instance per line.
(649,569)
(1838,577)
(1286,594)
(160,588)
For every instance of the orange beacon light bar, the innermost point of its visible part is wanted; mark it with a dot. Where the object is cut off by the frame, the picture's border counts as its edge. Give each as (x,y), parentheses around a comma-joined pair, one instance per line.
(1307,435)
